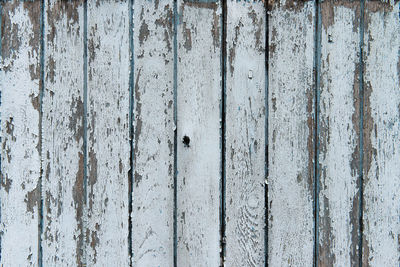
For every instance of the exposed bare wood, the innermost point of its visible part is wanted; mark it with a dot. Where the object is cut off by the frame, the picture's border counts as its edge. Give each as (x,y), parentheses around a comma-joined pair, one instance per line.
(381,222)
(245,134)
(108,150)
(20,141)
(199,155)
(291,133)
(62,133)
(339,134)
(153,187)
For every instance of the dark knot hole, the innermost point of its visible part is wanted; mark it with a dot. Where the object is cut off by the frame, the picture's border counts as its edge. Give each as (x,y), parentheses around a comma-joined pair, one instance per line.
(186,141)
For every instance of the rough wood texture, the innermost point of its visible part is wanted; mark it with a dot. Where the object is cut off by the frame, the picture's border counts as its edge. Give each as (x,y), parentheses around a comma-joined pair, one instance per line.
(245,134)
(153,187)
(339,134)
(20,152)
(89,100)
(291,130)
(198,111)
(381,135)
(108,151)
(62,131)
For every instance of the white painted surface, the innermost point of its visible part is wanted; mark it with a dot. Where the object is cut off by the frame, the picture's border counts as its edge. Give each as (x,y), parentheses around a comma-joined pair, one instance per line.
(291,120)
(153,186)
(339,135)
(381,135)
(245,134)
(20,158)
(198,108)
(62,132)
(90,225)
(108,150)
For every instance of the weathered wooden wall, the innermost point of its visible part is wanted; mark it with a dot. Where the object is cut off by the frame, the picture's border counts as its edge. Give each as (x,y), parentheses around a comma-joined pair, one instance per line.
(200,133)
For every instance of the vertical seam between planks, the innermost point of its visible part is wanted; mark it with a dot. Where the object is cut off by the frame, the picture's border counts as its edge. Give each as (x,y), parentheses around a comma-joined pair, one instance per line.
(131,106)
(222,134)
(1,141)
(41,93)
(361,133)
(175,89)
(317,68)
(266,62)
(85,128)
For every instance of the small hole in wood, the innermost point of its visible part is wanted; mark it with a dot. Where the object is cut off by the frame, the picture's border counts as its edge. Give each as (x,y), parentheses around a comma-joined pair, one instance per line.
(186,141)
(330,40)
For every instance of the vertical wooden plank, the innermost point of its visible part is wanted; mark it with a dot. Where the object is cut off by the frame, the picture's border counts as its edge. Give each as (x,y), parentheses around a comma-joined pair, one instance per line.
(381,211)
(291,133)
(245,134)
(339,134)
(153,188)
(20,153)
(63,140)
(198,147)
(108,133)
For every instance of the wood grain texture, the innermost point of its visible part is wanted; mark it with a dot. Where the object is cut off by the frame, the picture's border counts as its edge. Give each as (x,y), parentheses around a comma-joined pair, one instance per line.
(20,153)
(291,133)
(108,133)
(62,131)
(339,134)
(381,222)
(153,188)
(245,134)
(198,111)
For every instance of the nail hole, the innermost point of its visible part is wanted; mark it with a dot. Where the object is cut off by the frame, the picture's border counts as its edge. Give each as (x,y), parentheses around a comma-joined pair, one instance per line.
(186,141)
(330,40)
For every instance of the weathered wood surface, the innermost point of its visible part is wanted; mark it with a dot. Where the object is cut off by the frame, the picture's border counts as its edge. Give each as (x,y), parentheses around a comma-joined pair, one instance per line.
(116,117)
(153,187)
(381,232)
(339,122)
(108,147)
(198,113)
(20,140)
(62,134)
(291,133)
(245,145)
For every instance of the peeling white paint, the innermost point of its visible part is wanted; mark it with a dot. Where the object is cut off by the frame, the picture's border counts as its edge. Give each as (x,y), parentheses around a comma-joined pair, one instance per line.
(245,134)
(108,151)
(90,225)
(153,172)
(339,123)
(62,132)
(198,96)
(291,220)
(20,160)
(382,173)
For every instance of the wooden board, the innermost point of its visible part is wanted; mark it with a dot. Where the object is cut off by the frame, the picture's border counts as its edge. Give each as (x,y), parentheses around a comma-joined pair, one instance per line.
(63,134)
(153,187)
(20,124)
(156,133)
(198,112)
(339,122)
(291,133)
(108,150)
(245,134)
(381,135)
